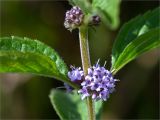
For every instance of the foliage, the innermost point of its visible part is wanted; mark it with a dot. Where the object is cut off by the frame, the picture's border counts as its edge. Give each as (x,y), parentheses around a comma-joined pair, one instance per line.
(73,107)
(136,37)
(25,55)
(108,10)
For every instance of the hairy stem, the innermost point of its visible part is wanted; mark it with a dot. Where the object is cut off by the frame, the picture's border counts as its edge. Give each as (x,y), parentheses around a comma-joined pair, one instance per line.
(85,57)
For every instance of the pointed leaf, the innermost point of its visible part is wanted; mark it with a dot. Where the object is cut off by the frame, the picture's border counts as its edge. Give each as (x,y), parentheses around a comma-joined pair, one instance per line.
(136,37)
(24,55)
(70,106)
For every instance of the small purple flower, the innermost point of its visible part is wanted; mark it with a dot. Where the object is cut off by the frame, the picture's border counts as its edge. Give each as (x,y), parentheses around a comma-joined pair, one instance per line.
(95,86)
(94,96)
(73,18)
(86,83)
(75,74)
(84,92)
(90,73)
(104,95)
(99,83)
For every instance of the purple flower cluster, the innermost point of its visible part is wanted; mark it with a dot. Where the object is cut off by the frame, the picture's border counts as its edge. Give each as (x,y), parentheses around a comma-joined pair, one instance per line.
(73,18)
(76,76)
(99,83)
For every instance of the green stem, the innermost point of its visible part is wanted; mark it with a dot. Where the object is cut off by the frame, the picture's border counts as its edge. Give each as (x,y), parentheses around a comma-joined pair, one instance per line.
(91,108)
(85,57)
(72,84)
(84,48)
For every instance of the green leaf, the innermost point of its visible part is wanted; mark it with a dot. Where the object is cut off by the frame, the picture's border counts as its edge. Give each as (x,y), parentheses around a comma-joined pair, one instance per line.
(24,55)
(83,4)
(136,37)
(109,11)
(70,106)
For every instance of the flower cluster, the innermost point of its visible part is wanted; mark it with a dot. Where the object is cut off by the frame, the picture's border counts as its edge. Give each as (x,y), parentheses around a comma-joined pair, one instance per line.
(73,18)
(76,76)
(98,83)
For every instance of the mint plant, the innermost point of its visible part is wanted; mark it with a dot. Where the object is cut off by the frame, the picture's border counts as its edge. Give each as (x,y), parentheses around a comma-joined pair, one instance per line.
(90,85)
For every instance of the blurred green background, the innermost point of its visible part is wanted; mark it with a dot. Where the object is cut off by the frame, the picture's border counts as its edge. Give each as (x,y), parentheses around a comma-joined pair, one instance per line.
(25,96)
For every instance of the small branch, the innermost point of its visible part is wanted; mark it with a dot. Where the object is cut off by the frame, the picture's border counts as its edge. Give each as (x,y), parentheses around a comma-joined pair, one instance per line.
(85,57)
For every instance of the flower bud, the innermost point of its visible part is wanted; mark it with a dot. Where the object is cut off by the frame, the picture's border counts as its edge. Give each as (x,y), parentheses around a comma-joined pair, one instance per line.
(73,18)
(95,20)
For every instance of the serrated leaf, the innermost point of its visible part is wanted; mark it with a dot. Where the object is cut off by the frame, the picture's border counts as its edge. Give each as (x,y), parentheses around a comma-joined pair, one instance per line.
(109,11)
(24,55)
(138,32)
(70,106)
